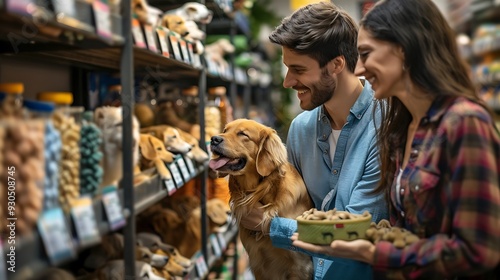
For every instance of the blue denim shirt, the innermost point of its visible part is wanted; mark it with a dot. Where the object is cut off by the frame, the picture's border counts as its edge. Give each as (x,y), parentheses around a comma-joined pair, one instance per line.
(344,183)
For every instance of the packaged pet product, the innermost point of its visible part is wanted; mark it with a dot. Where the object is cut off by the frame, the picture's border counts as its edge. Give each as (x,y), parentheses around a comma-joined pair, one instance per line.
(67,121)
(22,175)
(91,155)
(43,111)
(12,100)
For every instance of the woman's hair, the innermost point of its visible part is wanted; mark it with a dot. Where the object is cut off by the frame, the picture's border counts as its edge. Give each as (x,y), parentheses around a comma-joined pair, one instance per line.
(431,58)
(320,30)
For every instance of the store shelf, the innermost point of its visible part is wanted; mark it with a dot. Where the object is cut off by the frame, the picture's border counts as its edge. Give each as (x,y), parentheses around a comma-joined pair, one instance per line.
(31,256)
(23,33)
(202,267)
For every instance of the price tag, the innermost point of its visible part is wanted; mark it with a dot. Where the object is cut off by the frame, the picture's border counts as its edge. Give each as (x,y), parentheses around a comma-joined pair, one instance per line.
(184,50)
(184,170)
(84,219)
(176,175)
(55,236)
(102,18)
(201,266)
(174,43)
(191,54)
(222,241)
(150,38)
(215,245)
(163,42)
(113,208)
(190,166)
(137,34)
(170,185)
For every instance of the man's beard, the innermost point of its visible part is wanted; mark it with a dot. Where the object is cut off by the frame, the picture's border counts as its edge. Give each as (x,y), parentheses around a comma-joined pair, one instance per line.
(322,91)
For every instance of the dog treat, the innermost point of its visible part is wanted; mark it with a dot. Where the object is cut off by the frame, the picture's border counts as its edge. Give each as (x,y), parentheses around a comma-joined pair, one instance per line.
(52,157)
(23,174)
(91,155)
(315,214)
(383,231)
(69,165)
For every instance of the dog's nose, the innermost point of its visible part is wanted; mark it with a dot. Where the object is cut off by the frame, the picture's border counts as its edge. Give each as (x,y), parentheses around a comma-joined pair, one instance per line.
(216,140)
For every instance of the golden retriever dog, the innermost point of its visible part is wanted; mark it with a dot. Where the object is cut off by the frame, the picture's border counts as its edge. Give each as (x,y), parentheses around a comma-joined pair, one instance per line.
(110,120)
(154,154)
(255,159)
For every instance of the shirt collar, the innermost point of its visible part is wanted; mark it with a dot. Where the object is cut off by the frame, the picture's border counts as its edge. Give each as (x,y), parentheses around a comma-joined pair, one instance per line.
(438,108)
(360,106)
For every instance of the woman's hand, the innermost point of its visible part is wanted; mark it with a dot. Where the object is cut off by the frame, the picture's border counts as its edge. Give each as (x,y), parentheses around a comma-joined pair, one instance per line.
(360,249)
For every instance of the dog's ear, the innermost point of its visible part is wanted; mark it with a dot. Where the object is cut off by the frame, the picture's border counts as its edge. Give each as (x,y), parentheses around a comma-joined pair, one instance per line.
(147,148)
(271,154)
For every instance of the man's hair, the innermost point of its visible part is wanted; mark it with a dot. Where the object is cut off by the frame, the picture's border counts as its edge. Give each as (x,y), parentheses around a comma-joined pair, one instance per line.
(322,31)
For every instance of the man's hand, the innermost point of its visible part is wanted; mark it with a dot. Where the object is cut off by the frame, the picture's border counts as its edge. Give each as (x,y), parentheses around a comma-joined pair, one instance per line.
(253,219)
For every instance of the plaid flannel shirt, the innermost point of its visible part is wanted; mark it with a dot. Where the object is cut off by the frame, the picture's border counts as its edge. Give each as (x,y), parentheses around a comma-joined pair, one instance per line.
(450,198)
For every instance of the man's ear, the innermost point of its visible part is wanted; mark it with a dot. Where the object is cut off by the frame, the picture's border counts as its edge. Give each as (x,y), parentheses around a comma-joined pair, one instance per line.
(336,65)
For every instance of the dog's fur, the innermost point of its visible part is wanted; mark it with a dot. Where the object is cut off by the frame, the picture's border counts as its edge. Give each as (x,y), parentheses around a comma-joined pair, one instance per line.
(193,11)
(109,120)
(175,24)
(154,154)
(256,161)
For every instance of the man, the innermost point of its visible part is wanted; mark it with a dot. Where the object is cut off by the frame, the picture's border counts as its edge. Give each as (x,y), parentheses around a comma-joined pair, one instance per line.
(333,142)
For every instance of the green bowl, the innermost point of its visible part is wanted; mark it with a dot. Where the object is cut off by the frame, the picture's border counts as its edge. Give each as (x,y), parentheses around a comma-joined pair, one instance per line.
(323,232)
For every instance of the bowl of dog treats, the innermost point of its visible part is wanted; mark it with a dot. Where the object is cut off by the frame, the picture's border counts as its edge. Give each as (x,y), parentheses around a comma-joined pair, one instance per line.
(323,227)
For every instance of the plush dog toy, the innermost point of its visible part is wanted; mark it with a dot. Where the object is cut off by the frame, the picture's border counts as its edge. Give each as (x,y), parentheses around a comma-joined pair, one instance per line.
(217,50)
(175,24)
(170,137)
(154,154)
(109,120)
(195,35)
(193,11)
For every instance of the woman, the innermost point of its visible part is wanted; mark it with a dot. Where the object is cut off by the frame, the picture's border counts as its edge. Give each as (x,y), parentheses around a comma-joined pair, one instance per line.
(439,150)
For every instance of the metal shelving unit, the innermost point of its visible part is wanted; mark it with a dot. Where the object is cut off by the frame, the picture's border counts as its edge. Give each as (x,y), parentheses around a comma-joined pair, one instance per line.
(86,50)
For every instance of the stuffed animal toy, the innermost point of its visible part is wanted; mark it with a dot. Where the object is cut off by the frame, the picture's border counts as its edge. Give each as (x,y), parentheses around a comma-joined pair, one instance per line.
(109,120)
(217,50)
(193,11)
(196,36)
(175,24)
(154,154)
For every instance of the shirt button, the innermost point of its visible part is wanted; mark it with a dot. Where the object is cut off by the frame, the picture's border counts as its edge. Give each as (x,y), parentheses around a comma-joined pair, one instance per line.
(320,262)
(335,172)
(402,191)
(324,136)
(359,116)
(402,213)
(416,187)
(292,248)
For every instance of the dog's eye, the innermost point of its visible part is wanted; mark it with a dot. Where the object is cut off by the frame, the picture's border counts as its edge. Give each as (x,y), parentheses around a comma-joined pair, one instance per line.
(241,133)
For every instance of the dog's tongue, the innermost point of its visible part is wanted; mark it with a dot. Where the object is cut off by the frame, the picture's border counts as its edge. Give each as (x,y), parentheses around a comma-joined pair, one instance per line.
(215,164)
